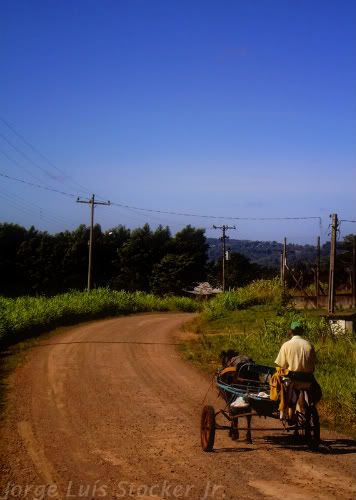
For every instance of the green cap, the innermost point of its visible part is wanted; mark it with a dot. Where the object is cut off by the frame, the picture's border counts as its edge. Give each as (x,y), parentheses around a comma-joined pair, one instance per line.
(296,325)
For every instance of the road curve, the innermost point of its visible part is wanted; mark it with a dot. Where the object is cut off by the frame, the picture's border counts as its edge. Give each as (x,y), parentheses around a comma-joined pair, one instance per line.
(110,410)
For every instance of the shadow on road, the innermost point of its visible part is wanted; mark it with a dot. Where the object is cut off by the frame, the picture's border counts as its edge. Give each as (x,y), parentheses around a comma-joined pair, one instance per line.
(337,446)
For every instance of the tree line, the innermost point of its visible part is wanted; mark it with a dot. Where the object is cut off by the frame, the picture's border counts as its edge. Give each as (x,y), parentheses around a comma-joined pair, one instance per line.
(34,262)
(268,253)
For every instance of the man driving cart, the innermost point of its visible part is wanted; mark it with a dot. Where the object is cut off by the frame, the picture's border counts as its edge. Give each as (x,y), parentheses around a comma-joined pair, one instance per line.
(296,364)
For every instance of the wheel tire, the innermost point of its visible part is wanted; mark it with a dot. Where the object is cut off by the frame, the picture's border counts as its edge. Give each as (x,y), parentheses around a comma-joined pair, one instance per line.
(312,427)
(207,428)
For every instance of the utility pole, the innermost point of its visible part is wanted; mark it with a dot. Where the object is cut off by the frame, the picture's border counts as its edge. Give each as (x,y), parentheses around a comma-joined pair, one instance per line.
(92,204)
(317,272)
(331,291)
(284,264)
(223,239)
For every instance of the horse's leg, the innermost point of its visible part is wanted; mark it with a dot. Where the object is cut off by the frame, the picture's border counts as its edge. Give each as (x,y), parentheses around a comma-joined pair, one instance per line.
(248,432)
(234,432)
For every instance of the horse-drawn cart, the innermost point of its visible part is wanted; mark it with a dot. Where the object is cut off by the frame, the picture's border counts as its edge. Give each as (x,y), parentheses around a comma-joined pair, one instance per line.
(246,393)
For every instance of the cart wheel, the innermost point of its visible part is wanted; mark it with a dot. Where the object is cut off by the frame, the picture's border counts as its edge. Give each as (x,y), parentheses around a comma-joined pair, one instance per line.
(312,427)
(207,428)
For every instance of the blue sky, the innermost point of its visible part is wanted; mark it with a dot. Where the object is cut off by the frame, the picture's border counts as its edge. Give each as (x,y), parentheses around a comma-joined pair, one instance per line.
(230,108)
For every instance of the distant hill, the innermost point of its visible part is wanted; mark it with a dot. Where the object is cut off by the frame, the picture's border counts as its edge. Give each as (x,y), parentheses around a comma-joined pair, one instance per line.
(266,253)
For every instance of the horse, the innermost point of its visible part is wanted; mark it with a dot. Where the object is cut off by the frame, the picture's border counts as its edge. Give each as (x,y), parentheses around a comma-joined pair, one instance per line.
(241,376)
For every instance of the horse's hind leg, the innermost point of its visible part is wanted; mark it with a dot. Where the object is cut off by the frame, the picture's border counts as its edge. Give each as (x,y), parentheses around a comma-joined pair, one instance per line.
(248,433)
(234,430)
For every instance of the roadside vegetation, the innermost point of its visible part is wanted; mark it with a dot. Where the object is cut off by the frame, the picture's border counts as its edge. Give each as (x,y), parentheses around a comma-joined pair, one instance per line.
(255,320)
(25,317)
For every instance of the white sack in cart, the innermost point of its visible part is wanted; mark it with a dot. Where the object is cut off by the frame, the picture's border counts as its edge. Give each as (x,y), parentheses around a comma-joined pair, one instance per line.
(239,403)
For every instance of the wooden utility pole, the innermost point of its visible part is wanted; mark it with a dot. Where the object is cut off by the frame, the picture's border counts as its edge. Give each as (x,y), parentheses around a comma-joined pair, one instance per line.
(284,264)
(223,239)
(92,204)
(331,297)
(317,272)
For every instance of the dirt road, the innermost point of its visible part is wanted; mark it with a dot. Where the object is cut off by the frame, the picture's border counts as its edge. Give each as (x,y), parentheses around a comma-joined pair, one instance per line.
(110,410)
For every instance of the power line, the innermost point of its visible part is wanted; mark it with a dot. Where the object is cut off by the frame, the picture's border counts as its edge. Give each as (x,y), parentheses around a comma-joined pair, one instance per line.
(43,211)
(37,151)
(24,208)
(37,185)
(168,212)
(15,162)
(35,164)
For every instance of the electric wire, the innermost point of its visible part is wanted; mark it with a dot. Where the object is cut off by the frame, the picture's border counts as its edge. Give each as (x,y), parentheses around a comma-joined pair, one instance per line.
(54,216)
(44,157)
(15,162)
(33,206)
(166,212)
(40,186)
(24,208)
(24,155)
(183,214)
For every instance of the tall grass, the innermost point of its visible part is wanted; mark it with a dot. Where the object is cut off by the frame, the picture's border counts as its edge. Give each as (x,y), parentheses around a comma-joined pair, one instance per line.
(28,316)
(257,292)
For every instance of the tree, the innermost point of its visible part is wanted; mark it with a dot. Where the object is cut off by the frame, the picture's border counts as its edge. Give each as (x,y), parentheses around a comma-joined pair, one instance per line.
(183,265)
(108,256)
(75,258)
(138,256)
(11,237)
(172,274)
(343,266)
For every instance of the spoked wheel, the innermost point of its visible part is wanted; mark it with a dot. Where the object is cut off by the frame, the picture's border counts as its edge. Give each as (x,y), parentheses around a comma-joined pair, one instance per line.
(207,428)
(312,427)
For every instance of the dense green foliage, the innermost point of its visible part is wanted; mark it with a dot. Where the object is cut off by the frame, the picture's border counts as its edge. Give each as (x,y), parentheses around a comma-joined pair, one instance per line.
(28,316)
(254,321)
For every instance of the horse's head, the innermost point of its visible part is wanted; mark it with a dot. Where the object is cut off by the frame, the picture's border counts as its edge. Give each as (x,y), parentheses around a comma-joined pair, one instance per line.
(226,356)
(240,361)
